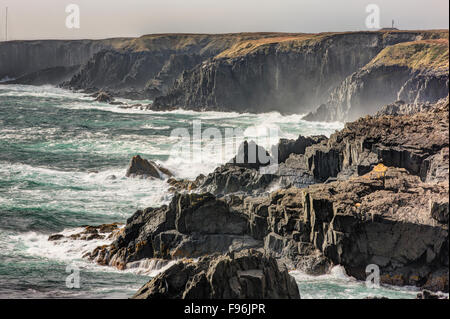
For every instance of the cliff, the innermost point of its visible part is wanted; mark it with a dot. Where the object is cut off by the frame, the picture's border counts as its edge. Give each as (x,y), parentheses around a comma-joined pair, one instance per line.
(378,195)
(413,72)
(290,74)
(348,74)
(19,58)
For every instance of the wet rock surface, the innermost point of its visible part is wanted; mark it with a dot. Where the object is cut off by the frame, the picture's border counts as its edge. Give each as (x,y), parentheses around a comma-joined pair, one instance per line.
(375,193)
(104,231)
(145,168)
(246,274)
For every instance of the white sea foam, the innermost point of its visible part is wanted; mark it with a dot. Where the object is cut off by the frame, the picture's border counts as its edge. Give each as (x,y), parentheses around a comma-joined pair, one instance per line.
(338,285)
(107,192)
(149,266)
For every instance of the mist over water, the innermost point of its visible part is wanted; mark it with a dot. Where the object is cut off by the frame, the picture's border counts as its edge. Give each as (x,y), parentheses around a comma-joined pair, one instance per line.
(62,165)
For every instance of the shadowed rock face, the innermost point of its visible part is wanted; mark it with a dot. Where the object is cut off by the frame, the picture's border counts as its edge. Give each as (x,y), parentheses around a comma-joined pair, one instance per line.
(243,275)
(22,58)
(296,77)
(191,226)
(144,168)
(388,205)
(414,72)
(255,72)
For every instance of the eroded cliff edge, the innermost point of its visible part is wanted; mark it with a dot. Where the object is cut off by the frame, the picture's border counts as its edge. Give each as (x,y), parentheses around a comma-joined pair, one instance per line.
(378,194)
(347,74)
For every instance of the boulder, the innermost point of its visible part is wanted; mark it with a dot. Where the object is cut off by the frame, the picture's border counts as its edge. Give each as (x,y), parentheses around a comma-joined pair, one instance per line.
(248,274)
(103,231)
(103,97)
(145,168)
(192,225)
(286,147)
(231,178)
(251,155)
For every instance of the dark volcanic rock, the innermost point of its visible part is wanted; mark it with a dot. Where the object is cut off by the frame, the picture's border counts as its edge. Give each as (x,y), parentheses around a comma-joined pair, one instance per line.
(386,205)
(299,73)
(230,178)
(417,142)
(103,97)
(244,275)
(402,108)
(374,219)
(251,155)
(426,294)
(398,72)
(286,148)
(191,226)
(91,232)
(142,167)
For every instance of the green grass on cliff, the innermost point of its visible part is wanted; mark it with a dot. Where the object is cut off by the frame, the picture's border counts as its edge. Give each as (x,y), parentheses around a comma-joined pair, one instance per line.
(417,55)
(430,52)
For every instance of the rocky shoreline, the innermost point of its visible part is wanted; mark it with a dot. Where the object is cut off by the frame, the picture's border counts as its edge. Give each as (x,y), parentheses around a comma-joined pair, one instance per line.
(335,76)
(375,192)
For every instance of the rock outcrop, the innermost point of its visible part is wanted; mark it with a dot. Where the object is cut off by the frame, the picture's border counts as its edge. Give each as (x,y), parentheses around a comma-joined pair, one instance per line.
(418,143)
(103,97)
(294,74)
(375,193)
(242,275)
(192,225)
(349,74)
(145,168)
(21,59)
(105,231)
(414,72)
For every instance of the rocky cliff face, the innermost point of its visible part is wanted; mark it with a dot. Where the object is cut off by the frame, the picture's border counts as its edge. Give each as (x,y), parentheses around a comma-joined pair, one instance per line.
(19,58)
(384,202)
(351,74)
(243,275)
(288,75)
(414,72)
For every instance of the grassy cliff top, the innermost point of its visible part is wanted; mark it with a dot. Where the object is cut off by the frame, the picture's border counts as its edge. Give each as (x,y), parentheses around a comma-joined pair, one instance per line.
(417,55)
(231,45)
(296,40)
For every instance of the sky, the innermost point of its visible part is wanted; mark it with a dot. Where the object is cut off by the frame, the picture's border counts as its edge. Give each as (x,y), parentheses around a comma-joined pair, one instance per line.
(46,19)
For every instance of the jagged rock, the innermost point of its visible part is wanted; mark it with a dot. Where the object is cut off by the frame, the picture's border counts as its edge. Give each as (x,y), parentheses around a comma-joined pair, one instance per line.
(402,108)
(439,211)
(103,97)
(230,178)
(244,275)
(372,213)
(55,237)
(417,142)
(285,148)
(103,231)
(398,72)
(250,155)
(373,219)
(425,294)
(438,279)
(142,167)
(191,226)
(178,185)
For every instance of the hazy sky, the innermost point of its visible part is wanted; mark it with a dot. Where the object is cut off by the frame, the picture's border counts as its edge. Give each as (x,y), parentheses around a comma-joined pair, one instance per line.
(39,19)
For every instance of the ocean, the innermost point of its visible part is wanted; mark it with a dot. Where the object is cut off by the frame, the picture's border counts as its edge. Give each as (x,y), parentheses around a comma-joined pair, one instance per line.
(63,160)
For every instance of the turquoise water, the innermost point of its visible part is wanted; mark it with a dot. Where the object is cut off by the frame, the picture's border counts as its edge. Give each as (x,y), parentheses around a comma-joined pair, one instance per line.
(62,165)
